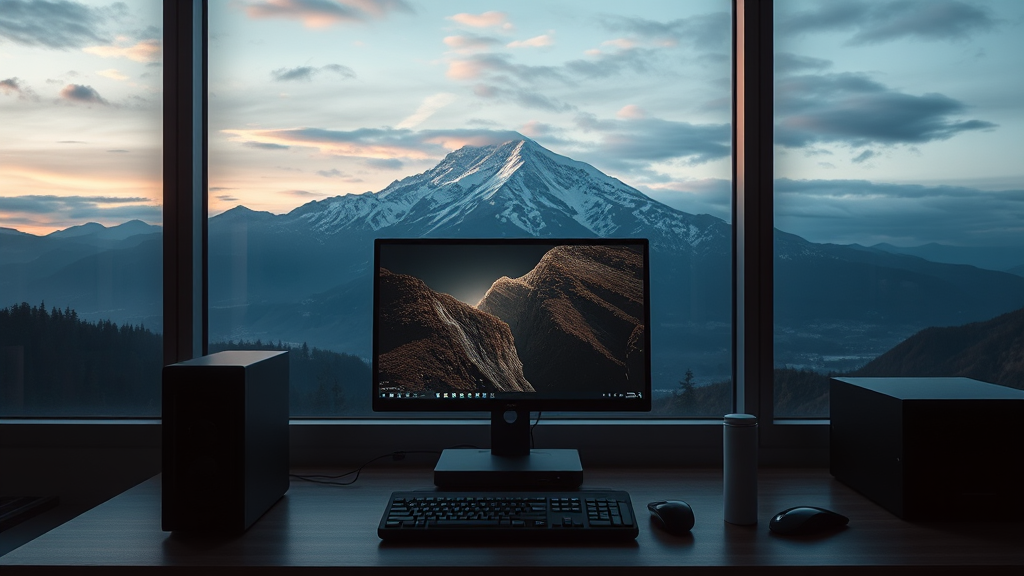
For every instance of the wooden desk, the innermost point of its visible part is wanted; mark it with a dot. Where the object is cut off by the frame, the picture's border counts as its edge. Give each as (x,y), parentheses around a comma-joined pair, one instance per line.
(317,528)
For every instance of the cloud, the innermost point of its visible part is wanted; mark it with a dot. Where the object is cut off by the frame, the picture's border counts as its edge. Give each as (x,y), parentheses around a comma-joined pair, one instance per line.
(306,73)
(60,25)
(854,110)
(325,13)
(470,42)
(118,151)
(225,197)
(384,163)
(144,51)
(264,145)
(82,94)
(848,211)
(634,143)
(427,108)
(79,208)
(486,20)
(864,156)
(630,112)
(705,196)
(112,74)
(332,173)
(535,42)
(14,87)
(535,129)
(704,33)
(480,65)
(524,98)
(876,22)
(10,86)
(789,63)
(301,193)
(606,64)
(379,143)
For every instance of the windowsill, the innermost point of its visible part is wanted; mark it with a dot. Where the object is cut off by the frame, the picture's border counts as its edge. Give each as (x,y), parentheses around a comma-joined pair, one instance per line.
(319,442)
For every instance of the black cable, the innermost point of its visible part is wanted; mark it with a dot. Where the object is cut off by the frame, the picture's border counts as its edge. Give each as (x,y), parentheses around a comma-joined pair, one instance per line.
(395,456)
(532,443)
(329,479)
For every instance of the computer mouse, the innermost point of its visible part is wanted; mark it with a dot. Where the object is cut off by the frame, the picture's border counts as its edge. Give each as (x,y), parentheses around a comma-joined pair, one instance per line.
(674,516)
(806,520)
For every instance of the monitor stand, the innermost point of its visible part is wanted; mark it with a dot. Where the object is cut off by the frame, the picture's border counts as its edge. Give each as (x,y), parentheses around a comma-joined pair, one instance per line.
(510,463)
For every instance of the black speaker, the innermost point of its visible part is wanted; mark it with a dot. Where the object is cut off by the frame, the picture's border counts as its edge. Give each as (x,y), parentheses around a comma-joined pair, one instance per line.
(930,448)
(225,440)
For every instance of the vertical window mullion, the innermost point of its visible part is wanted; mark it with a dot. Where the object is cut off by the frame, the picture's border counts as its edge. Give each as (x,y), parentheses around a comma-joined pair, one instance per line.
(185,180)
(752,206)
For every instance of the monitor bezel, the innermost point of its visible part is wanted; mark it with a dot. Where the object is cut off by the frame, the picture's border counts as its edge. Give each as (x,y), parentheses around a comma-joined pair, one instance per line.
(521,402)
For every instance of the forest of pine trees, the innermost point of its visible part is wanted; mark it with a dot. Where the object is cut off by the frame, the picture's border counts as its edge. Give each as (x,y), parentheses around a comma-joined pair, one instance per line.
(53,363)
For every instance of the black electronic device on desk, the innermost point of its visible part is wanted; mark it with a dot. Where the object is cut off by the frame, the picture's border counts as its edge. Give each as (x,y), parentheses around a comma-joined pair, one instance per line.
(510,326)
(571,516)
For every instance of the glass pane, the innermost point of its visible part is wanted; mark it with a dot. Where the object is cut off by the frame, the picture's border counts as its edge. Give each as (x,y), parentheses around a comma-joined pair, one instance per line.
(335,124)
(899,194)
(80,209)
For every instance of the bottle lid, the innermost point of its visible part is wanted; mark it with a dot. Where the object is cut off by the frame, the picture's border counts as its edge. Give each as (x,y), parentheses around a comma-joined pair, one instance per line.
(740,420)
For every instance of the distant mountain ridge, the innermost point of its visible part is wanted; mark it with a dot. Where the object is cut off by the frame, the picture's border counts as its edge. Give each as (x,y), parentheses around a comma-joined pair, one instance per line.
(1001,258)
(990,351)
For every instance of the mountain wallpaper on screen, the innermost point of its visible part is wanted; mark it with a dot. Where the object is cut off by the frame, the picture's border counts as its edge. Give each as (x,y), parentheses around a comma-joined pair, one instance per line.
(577,319)
(431,342)
(574,323)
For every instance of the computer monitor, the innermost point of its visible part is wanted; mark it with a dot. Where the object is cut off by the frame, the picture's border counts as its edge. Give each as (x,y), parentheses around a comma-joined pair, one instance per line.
(510,326)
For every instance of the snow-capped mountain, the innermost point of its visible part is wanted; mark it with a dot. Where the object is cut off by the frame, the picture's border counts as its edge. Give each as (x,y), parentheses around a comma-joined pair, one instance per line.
(517,188)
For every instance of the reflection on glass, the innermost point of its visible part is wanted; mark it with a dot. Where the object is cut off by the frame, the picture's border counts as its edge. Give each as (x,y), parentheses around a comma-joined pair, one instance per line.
(329,128)
(899,193)
(80,214)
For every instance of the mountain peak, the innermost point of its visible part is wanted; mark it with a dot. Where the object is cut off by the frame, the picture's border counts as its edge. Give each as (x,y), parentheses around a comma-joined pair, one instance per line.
(512,188)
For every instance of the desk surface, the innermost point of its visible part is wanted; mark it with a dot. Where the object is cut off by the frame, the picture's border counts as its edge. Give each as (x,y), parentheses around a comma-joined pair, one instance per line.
(315,527)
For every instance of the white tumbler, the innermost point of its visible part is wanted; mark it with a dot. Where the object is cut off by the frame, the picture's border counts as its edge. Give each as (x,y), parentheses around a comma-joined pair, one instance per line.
(739,447)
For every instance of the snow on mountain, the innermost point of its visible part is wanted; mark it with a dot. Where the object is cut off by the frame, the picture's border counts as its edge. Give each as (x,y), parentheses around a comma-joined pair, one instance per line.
(517,188)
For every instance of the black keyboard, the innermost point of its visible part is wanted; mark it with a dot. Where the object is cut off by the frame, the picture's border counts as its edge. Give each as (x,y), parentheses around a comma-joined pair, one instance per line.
(580,516)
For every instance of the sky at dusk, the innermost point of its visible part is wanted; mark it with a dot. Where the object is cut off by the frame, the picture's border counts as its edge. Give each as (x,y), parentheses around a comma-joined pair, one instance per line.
(895,121)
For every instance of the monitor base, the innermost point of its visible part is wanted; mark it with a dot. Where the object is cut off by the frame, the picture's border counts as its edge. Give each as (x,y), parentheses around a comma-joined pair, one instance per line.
(480,470)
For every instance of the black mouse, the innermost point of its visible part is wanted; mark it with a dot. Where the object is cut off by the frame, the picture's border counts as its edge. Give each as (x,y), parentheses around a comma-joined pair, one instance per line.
(674,516)
(806,520)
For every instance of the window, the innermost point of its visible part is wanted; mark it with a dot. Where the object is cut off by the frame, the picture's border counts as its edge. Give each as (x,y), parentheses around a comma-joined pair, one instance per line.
(979,109)
(80,215)
(898,193)
(316,117)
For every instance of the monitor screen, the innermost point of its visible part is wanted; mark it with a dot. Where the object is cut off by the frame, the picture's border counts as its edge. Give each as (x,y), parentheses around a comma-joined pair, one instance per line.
(536,324)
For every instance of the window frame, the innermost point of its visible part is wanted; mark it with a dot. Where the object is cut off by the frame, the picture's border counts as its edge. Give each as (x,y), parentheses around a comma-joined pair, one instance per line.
(672,442)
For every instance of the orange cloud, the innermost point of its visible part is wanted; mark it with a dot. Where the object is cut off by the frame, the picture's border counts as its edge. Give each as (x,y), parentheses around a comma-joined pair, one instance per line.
(465,69)
(144,51)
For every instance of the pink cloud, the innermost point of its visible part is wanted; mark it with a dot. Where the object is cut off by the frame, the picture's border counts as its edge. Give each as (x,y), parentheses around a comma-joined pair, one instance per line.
(630,112)
(535,42)
(490,19)
(324,13)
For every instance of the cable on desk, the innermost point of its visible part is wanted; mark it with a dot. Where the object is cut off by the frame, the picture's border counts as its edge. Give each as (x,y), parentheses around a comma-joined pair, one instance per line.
(532,443)
(395,456)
